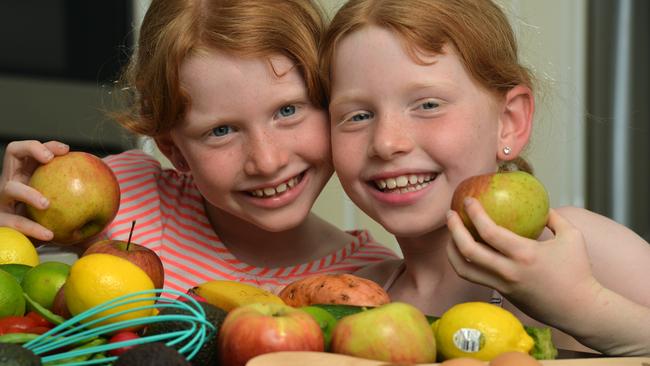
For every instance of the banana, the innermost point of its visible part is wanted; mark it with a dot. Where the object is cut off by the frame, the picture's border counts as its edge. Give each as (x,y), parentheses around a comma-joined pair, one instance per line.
(228,295)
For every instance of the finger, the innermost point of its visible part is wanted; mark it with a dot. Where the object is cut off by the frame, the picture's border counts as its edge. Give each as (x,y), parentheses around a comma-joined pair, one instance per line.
(557,223)
(468,270)
(26,226)
(20,192)
(499,238)
(479,254)
(57,147)
(36,150)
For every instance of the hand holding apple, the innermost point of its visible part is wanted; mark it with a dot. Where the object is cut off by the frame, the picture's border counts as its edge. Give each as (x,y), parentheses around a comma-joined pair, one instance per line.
(516,201)
(396,332)
(84,196)
(258,328)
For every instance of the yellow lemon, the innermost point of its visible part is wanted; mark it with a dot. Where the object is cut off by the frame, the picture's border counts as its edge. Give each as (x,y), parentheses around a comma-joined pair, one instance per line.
(97,278)
(15,247)
(479,330)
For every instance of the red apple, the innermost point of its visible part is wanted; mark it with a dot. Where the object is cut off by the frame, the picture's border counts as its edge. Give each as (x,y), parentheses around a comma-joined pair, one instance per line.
(516,201)
(137,254)
(396,333)
(59,307)
(258,328)
(84,196)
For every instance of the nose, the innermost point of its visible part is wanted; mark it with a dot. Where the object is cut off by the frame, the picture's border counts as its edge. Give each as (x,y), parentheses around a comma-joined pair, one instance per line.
(390,138)
(265,155)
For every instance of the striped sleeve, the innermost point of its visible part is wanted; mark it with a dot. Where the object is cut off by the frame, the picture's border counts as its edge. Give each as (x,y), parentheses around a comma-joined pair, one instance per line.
(137,174)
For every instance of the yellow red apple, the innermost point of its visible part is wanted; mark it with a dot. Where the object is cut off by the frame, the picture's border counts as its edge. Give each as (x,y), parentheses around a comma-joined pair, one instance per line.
(258,328)
(515,200)
(84,196)
(137,254)
(396,333)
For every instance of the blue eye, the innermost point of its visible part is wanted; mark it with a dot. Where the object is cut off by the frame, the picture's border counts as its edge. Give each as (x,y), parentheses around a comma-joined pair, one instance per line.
(359,117)
(221,130)
(287,110)
(430,105)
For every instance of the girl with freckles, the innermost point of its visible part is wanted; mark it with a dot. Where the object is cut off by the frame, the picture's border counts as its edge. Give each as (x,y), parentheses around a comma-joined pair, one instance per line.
(229,91)
(426,93)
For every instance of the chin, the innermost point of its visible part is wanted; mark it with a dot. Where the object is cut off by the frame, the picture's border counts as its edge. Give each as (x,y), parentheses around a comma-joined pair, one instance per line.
(406,227)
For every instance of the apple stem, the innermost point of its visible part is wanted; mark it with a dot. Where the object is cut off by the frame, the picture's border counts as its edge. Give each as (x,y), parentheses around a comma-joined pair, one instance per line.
(128,243)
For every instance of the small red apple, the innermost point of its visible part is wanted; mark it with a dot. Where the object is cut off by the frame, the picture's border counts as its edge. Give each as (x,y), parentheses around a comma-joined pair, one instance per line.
(258,328)
(137,254)
(59,307)
(84,196)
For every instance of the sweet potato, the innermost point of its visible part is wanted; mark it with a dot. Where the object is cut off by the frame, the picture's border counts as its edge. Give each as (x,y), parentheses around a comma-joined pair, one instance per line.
(334,289)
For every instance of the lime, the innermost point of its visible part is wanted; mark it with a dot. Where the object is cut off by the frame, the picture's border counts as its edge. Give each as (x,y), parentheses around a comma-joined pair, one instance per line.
(479,330)
(326,321)
(15,247)
(17,270)
(43,281)
(97,278)
(12,301)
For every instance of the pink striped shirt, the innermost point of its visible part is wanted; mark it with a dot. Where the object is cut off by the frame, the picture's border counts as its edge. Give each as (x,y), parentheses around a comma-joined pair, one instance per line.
(171,220)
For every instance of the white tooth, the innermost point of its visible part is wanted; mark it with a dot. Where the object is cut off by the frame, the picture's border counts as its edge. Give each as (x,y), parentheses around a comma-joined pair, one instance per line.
(420,178)
(403,190)
(281,188)
(391,183)
(269,191)
(402,181)
(418,187)
(259,193)
(413,179)
(381,184)
(412,189)
(292,182)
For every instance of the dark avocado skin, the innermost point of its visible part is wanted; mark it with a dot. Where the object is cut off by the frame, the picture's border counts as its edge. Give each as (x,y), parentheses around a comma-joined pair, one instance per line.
(12,354)
(208,354)
(151,354)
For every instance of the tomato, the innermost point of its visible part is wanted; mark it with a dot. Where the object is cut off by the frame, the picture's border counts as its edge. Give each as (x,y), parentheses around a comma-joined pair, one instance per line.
(16,324)
(39,319)
(120,337)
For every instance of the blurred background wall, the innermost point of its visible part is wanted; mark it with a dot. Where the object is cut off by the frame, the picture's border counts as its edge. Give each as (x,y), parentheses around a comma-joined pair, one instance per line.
(590,56)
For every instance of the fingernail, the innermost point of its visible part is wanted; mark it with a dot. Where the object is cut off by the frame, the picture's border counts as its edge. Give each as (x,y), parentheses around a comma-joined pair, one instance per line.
(45,202)
(450,213)
(47,235)
(468,201)
(64,146)
(48,155)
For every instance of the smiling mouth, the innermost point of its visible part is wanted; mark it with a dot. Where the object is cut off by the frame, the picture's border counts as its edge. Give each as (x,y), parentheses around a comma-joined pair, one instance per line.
(279,189)
(404,183)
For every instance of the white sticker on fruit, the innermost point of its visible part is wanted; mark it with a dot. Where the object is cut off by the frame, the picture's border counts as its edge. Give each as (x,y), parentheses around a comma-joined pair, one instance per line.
(468,340)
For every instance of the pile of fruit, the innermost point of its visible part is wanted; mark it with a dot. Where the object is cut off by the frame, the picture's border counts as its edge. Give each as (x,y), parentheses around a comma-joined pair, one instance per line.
(344,314)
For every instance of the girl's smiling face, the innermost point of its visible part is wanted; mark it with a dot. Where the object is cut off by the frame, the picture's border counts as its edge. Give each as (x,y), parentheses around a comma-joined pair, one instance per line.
(406,133)
(257,148)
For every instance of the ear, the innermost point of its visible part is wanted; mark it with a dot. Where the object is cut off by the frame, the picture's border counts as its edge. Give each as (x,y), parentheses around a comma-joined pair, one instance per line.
(515,122)
(168,148)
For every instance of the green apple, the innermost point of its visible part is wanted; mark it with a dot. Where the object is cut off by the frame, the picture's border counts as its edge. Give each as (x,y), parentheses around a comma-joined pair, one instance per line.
(84,196)
(396,332)
(516,201)
(43,281)
(325,320)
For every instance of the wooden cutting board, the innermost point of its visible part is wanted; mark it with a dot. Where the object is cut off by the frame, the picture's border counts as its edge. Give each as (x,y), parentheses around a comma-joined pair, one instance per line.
(332,359)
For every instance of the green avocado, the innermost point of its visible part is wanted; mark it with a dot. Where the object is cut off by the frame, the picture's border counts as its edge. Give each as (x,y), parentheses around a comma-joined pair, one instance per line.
(12,354)
(151,354)
(208,354)
(339,311)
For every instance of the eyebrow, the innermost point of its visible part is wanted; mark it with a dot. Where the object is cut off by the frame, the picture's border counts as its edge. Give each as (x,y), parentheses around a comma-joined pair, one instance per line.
(357,94)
